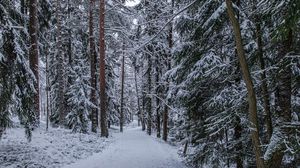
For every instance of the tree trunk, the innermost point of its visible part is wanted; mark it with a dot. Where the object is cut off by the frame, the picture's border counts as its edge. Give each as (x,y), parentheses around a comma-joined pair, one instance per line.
(283,102)
(47,91)
(249,84)
(93,58)
(103,115)
(140,119)
(237,135)
(148,97)
(158,93)
(60,67)
(264,87)
(168,63)
(143,108)
(34,55)
(122,93)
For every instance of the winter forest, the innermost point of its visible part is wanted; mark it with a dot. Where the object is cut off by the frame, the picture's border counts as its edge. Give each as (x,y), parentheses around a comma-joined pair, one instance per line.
(149,83)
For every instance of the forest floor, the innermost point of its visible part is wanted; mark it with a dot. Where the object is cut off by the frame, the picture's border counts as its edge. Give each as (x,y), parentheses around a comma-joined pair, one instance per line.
(48,149)
(133,149)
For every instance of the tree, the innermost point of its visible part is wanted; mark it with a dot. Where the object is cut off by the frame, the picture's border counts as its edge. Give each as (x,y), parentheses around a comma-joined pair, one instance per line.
(93,58)
(16,78)
(122,91)
(78,94)
(286,17)
(103,114)
(34,53)
(249,84)
(168,66)
(264,87)
(60,110)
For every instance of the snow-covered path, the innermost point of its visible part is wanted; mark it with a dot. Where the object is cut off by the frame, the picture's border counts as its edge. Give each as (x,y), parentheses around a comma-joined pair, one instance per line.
(133,149)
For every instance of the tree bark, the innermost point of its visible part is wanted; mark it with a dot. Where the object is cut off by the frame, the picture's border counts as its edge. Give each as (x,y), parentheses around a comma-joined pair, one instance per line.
(93,58)
(264,86)
(60,68)
(103,115)
(144,107)
(249,84)
(138,100)
(148,97)
(122,93)
(34,55)
(158,92)
(168,65)
(47,91)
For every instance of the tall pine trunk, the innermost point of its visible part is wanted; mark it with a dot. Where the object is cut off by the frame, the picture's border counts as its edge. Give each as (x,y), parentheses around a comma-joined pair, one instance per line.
(33,54)
(140,112)
(148,98)
(47,91)
(60,67)
(93,57)
(264,86)
(158,94)
(103,115)
(249,84)
(122,93)
(168,65)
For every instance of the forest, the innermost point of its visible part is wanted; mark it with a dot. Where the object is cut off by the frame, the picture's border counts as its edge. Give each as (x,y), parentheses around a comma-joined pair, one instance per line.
(153,83)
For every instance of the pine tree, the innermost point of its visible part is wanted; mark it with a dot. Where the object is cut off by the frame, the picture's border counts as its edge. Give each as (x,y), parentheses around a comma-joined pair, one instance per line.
(34,53)
(122,91)
(93,59)
(17,80)
(249,84)
(103,100)
(78,94)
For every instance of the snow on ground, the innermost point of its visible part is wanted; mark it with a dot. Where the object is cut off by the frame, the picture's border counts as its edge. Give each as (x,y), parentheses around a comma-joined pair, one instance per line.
(133,149)
(51,149)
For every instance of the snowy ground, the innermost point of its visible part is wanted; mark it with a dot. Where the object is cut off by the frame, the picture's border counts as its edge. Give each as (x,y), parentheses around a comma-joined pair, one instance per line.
(133,149)
(52,149)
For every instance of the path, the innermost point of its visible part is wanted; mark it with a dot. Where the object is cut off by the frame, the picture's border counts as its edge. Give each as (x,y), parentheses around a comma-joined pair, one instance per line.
(133,149)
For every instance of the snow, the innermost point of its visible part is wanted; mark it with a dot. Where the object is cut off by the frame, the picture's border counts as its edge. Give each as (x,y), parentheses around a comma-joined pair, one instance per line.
(132,3)
(134,149)
(55,148)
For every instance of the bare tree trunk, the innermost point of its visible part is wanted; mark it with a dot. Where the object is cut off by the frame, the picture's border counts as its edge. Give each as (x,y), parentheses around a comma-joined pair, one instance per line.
(122,93)
(249,84)
(103,115)
(166,108)
(264,87)
(185,147)
(47,92)
(158,94)
(148,97)
(138,99)
(93,58)
(60,67)
(34,54)
(143,107)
